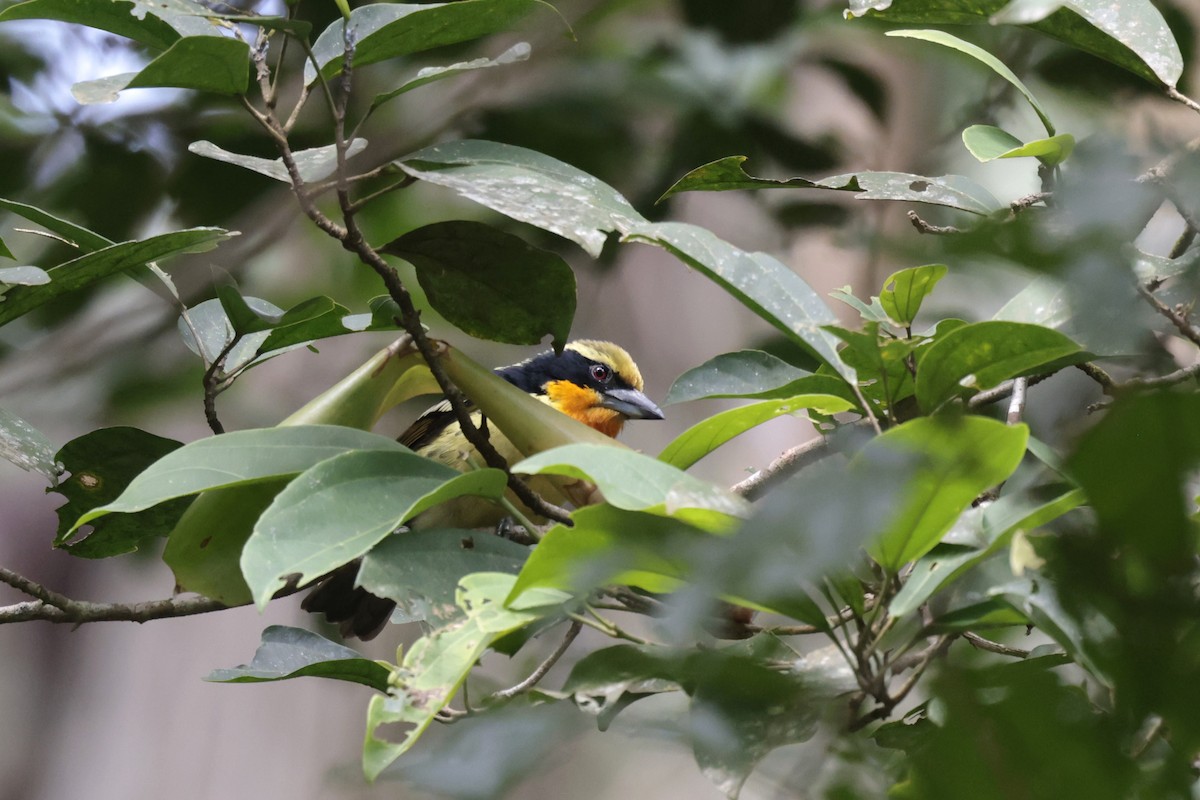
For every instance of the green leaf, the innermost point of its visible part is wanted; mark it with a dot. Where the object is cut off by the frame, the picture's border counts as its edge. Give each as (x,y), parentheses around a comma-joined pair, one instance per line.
(88,269)
(21,276)
(745,373)
(870,312)
(1085,640)
(343,506)
(240,457)
(959,458)
(101,465)
(420,569)
(608,545)
(527,186)
(515,54)
(999,521)
(26,446)
(437,664)
(702,438)
(987,143)
(757,280)
(904,291)
(752,374)
(636,482)
(954,191)
(491,284)
(983,354)
(1140,39)
(75,235)
(314,164)
(296,653)
(386,30)
(6,253)
(984,57)
(122,18)
(215,64)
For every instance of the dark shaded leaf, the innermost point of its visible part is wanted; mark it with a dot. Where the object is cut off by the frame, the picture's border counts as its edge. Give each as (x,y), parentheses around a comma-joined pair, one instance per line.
(205,63)
(86,240)
(295,653)
(489,283)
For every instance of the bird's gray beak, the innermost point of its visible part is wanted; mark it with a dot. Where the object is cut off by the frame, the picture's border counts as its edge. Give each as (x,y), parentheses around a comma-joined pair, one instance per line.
(631,403)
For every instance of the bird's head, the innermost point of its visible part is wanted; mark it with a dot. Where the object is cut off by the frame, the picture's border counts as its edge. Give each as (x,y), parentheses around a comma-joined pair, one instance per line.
(595,382)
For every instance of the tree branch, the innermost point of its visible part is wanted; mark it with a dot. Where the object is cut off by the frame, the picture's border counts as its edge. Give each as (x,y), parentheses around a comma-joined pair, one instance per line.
(543,668)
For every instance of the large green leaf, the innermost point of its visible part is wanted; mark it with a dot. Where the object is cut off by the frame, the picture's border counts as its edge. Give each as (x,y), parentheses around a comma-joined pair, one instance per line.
(342,507)
(89,268)
(609,545)
(127,19)
(296,653)
(759,281)
(981,355)
(745,373)
(240,457)
(86,240)
(313,164)
(101,465)
(386,30)
(997,524)
(26,446)
(527,186)
(959,459)
(1131,33)
(420,569)
(702,438)
(491,284)
(636,482)
(437,664)
(954,191)
(205,63)
(984,57)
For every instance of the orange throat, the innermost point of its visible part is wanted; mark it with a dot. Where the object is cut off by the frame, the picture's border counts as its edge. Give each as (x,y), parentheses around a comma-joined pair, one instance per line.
(583,404)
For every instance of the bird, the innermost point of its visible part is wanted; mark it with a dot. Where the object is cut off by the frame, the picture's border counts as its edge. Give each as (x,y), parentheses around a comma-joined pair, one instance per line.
(595,382)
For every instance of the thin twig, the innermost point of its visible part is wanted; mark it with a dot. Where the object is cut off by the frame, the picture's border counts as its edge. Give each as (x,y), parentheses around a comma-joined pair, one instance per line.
(1003,390)
(928,227)
(1181,324)
(1180,97)
(1097,374)
(543,668)
(1183,242)
(994,647)
(215,383)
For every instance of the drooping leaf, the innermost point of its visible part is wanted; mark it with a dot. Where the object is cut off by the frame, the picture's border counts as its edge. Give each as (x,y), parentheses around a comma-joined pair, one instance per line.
(745,373)
(420,569)
(759,281)
(959,458)
(6,253)
(314,164)
(702,438)
(385,30)
(489,283)
(981,355)
(904,291)
(239,457)
(1083,639)
(215,64)
(26,446)
(984,57)
(117,17)
(954,191)
(517,53)
(101,465)
(987,143)
(287,653)
(636,482)
(89,268)
(437,664)
(343,506)
(527,186)
(1131,34)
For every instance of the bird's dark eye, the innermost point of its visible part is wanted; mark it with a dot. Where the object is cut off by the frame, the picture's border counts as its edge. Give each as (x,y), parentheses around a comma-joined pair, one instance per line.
(601,373)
